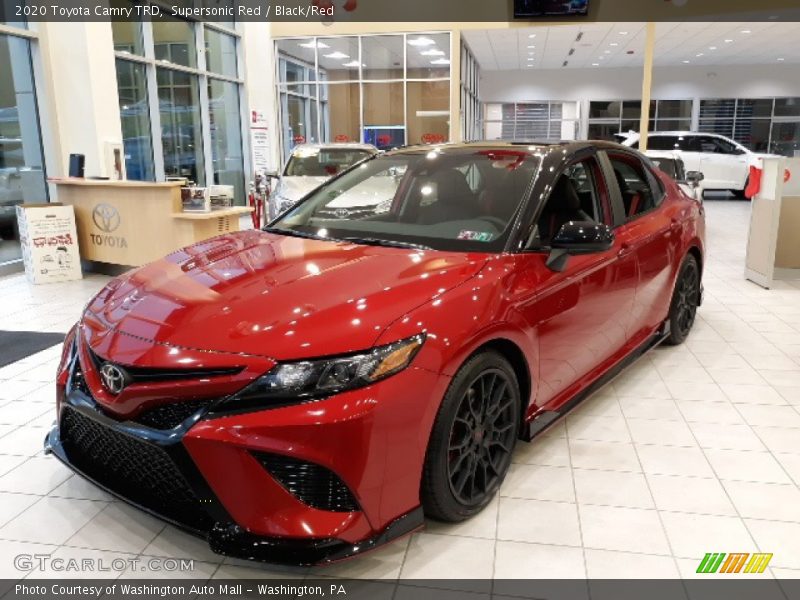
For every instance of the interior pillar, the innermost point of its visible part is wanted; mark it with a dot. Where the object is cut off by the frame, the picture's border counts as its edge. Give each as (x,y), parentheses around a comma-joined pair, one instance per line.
(647,81)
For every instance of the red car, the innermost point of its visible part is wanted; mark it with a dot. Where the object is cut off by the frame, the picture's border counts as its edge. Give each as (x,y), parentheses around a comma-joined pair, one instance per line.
(307,392)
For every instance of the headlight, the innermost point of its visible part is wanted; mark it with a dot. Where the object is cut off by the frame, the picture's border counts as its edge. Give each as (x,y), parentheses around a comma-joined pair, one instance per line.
(318,378)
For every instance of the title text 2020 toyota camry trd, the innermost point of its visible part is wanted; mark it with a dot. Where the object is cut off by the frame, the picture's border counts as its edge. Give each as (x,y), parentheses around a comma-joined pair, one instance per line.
(307,392)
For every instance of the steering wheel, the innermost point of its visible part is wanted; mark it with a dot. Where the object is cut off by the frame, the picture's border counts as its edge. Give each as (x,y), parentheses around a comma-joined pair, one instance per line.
(497,221)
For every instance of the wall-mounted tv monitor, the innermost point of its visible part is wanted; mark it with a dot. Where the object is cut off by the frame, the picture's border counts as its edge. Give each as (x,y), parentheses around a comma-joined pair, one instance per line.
(530,9)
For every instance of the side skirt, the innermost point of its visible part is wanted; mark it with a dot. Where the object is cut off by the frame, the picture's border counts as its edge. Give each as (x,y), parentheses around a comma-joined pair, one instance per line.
(545,419)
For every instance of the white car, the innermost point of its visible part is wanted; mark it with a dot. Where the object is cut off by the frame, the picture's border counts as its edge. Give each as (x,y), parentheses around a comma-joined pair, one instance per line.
(671,163)
(724,163)
(311,165)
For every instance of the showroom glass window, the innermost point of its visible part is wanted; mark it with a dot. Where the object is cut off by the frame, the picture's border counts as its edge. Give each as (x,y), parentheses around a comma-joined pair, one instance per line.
(387,90)
(180,101)
(22,174)
(607,118)
(760,124)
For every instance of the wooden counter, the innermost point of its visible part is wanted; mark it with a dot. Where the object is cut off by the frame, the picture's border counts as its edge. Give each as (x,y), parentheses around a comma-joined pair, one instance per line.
(131,223)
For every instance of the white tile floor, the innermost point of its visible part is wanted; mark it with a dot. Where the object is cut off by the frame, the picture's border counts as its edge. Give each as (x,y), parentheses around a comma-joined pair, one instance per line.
(694,449)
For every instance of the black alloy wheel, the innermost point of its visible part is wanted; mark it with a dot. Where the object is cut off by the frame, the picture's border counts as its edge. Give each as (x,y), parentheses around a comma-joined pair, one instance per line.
(473,439)
(482,438)
(685,300)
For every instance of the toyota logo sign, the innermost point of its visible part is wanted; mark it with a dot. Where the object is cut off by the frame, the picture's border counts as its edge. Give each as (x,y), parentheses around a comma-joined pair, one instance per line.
(106,217)
(114,378)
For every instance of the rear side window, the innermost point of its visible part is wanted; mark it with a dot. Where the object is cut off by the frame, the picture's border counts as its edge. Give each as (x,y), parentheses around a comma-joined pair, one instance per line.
(663,142)
(639,191)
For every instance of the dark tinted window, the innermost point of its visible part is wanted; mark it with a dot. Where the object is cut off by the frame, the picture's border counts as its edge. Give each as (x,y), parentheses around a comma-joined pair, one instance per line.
(638,196)
(663,142)
(576,196)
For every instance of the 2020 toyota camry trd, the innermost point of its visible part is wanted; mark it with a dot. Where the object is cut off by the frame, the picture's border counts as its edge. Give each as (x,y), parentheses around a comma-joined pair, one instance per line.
(309,391)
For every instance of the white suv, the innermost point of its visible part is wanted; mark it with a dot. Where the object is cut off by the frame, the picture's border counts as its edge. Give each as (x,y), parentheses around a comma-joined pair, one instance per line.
(725,164)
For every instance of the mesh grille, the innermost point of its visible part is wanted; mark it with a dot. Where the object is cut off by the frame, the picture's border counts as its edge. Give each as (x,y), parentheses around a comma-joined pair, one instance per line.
(311,483)
(134,469)
(171,415)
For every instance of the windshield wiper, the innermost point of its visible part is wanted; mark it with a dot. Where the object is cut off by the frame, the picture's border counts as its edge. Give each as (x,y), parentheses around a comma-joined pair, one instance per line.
(387,243)
(296,233)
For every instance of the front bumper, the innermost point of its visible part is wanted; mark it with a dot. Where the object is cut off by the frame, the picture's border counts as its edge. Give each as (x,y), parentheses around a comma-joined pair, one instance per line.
(204,477)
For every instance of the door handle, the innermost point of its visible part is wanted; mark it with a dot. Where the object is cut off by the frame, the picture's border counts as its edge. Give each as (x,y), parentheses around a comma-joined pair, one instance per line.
(624,248)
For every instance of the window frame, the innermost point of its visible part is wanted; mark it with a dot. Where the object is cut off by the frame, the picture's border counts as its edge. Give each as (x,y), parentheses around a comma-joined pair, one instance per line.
(603,199)
(204,76)
(657,189)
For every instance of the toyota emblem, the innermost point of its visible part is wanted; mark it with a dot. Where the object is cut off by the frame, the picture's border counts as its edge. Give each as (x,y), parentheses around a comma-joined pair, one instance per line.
(114,378)
(341,213)
(106,217)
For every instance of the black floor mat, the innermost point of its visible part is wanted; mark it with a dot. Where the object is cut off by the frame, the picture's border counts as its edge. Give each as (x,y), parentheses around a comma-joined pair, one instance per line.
(16,345)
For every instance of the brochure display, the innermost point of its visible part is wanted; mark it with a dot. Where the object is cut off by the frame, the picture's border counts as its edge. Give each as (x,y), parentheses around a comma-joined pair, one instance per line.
(773,250)
(49,242)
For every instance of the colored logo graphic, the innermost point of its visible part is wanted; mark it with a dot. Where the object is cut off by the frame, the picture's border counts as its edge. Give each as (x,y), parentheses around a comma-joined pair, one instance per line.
(719,562)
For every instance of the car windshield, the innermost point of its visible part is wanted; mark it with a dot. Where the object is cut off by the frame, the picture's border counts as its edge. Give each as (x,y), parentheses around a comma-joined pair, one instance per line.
(457,199)
(323,162)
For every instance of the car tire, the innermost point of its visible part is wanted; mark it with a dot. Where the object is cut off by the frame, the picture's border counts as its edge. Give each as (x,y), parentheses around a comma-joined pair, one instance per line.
(685,300)
(472,439)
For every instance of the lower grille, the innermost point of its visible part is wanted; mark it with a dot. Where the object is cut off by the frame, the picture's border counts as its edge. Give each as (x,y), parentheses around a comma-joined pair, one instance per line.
(313,484)
(139,471)
(168,416)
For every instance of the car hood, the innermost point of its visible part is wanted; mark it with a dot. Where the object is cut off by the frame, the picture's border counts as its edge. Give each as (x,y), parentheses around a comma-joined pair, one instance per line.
(276,296)
(294,188)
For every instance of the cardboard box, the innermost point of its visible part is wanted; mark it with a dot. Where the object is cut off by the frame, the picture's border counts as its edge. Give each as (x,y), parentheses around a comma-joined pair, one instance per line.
(49,242)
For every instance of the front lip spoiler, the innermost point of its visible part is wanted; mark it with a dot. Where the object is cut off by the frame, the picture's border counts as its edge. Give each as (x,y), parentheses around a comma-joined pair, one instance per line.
(227,538)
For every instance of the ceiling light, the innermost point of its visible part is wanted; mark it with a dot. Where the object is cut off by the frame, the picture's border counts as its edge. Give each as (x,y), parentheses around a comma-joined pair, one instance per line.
(781,59)
(313,44)
(613,44)
(440,61)
(745,31)
(607,52)
(698,55)
(432,52)
(595,64)
(352,63)
(337,55)
(712,47)
(729,41)
(531,46)
(686,62)
(533,35)
(623,33)
(421,41)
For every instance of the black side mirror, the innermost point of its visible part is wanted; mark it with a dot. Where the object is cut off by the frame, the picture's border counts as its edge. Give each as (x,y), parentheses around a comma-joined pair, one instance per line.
(694,178)
(578,237)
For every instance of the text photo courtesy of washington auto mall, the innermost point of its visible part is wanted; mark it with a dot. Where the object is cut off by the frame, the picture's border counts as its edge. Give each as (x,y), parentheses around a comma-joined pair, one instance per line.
(446,299)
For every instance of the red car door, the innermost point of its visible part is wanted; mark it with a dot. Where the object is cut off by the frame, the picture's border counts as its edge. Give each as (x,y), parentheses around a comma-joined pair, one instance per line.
(580,315)
(651,233)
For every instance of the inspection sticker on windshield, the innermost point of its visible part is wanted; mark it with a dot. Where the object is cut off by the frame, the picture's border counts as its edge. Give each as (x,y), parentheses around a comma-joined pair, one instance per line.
(475,236)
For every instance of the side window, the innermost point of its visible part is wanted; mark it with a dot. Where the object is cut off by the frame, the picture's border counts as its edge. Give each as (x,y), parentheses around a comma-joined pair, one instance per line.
(578,195)
(638,195)
(707,144)
(689,143)
(725,147)
(662,142)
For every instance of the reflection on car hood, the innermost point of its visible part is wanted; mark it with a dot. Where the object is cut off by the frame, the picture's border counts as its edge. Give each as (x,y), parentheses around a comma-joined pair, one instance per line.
(277,296)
